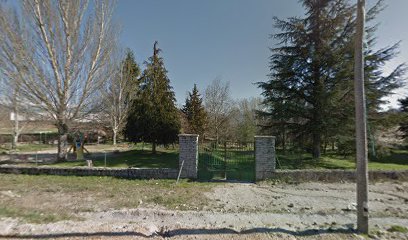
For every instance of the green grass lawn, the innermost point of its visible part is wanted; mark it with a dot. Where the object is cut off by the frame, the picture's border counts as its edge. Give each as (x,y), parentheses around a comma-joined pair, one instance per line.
(239,164)
(140,156)
(28,147)
(164,158)
(396,160)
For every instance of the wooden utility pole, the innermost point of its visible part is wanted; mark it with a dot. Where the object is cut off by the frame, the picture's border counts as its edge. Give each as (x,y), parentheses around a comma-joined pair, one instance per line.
(361,128)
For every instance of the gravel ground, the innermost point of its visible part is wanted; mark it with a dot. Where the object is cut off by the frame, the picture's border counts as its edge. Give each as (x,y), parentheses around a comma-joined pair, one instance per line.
(240,211)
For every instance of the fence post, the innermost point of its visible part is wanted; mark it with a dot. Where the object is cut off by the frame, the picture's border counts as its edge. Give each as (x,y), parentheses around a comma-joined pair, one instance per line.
(105,159)
(188,155)
(265,157)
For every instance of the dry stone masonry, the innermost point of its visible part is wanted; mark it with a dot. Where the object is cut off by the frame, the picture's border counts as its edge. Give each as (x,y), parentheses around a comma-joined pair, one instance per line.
(132,173)
(265,159)
(188,157)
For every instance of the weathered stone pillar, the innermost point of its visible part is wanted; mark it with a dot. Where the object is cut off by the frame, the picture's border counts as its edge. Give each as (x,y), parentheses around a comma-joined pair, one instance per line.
(265,159)
(189,154)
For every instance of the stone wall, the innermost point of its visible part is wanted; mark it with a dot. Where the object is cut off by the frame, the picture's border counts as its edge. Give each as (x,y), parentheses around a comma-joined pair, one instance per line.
(167,173)
(134,173)
(265,160)
(188,155)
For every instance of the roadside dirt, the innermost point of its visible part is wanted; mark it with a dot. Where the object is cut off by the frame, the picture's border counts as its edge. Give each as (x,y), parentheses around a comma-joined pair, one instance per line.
(240,211)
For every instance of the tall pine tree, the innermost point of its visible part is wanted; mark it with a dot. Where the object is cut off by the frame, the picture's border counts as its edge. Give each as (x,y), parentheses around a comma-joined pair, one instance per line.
(154,116)
(195,112)
(309,92)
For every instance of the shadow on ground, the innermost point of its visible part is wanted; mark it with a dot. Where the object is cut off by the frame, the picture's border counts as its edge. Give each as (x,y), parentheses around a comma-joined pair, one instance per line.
(188,232)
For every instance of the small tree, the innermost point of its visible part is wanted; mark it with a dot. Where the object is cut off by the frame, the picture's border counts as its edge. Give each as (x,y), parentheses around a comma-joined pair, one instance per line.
(195,112)
(246,122)
(153,116)
(20,113)
(119,91)
(219,107)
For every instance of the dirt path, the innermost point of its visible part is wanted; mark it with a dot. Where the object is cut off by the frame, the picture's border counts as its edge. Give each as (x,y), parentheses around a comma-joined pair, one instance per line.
(240,211)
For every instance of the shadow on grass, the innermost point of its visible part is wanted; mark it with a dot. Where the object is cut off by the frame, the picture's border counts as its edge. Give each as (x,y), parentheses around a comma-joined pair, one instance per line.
(394,160)
(395,157)
(186,232)
(303,161)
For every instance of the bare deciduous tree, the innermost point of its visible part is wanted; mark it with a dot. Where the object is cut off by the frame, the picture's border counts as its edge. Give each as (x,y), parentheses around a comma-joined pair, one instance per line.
(245,121)
(119,91)
(60,51)
(219,107)
(11,101)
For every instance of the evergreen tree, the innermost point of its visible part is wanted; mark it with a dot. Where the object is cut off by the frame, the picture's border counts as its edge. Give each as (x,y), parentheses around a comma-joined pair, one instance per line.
(153,116)
(303,69)
(195,112)
(310,87)
(378,85)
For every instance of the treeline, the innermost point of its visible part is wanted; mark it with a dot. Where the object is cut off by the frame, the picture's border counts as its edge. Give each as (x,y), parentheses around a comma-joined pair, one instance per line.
(142,106)
(61,62)
(308,100)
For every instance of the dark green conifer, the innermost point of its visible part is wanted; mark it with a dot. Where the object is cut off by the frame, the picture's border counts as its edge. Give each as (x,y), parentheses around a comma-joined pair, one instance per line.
(154,116)
(309,94)
(195,112)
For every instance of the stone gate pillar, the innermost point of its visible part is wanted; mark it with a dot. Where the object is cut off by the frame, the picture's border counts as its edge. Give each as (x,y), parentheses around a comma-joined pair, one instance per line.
(265,159)
(189,154)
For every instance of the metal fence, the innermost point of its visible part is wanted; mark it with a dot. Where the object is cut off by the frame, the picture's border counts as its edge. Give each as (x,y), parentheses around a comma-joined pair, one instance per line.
(226,160)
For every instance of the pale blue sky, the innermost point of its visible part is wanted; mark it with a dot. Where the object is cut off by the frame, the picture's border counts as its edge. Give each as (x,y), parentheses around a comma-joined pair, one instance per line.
(205,39)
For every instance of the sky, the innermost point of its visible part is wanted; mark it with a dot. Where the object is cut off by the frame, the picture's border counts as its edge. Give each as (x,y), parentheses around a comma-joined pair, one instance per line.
(229,39)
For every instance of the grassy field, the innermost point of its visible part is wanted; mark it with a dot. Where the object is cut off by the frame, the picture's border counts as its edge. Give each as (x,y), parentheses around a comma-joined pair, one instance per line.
(140,156)
(396,160)
(40,199)
(164,158)
(239,164)
(28,148)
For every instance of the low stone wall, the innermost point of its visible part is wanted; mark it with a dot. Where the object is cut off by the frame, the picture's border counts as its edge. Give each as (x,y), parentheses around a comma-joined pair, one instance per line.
(134,173)
(168,173)
(335,175)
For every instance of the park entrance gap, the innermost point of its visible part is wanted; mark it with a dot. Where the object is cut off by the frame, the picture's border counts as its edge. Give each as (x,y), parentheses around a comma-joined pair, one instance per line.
(226,160)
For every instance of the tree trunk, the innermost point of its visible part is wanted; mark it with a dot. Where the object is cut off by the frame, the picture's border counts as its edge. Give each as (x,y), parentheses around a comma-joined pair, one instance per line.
(16,130)
(316,145)
(318,85)
(216,137)
(62,141)
(15,140)
(154,147)
(115,132)
(284,140)
(16,133)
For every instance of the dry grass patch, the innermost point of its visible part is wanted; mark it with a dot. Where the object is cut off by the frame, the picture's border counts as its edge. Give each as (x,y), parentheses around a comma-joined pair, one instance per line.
(54,198)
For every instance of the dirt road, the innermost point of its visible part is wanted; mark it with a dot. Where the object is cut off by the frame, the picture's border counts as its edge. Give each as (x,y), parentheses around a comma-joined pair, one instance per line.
(240,211)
